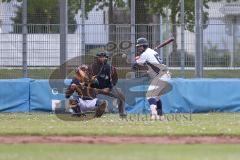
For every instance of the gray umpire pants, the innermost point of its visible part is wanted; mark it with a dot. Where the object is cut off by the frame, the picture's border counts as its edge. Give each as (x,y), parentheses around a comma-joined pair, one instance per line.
(117,93)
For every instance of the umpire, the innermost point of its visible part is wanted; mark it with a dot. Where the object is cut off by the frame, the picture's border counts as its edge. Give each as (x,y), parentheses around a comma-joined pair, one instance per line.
(107,78)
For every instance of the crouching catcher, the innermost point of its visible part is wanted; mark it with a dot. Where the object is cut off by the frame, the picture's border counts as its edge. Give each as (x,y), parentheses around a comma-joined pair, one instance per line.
(85,101)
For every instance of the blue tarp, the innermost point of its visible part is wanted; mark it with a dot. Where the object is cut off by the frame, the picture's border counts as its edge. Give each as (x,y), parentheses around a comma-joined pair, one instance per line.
(14,95)
(203,95)
(187,95)
(194,95)
(42,96)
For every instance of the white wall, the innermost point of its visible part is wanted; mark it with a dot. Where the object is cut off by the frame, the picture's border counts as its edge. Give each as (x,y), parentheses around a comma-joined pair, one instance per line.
(44,49)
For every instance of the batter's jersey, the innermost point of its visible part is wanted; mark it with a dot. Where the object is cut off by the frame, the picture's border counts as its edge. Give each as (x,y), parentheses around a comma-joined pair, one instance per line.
(152,59)
(150,56)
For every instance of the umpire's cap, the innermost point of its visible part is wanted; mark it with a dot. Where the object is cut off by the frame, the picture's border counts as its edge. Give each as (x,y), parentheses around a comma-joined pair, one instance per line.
(102,54)
(142,42)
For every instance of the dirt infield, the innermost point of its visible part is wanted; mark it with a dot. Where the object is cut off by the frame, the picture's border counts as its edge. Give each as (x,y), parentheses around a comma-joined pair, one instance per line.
(121,139)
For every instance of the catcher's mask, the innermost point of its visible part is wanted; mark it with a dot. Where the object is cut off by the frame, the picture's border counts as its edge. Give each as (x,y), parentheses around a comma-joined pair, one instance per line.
(102,57)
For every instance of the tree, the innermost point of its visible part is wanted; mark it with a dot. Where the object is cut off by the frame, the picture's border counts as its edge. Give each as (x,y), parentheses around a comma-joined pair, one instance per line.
(162,7)
(111,4)
(47,12)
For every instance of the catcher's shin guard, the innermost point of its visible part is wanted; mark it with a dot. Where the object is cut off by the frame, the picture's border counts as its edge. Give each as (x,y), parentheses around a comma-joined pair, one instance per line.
(101,107)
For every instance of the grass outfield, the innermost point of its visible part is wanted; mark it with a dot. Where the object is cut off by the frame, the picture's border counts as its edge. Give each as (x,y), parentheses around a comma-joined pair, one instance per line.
(118,152)
(45,73)
(176,124)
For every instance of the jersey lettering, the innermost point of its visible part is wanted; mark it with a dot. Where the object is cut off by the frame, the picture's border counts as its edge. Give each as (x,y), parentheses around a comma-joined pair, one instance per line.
(157,56)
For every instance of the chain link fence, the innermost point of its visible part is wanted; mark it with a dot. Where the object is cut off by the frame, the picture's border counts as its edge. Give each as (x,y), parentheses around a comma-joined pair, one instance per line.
(108,27)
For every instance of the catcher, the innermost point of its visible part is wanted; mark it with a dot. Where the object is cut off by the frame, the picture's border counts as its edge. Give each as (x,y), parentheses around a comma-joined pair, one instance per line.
(84,85)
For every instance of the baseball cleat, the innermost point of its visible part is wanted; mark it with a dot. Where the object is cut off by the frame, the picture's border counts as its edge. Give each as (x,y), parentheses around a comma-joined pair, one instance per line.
(154,117)
(162,118)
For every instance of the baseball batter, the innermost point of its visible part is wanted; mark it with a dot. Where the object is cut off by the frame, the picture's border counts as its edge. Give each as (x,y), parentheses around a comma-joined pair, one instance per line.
(158,74)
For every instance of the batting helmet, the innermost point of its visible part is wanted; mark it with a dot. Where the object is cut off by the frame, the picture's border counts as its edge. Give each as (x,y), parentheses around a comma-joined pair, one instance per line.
(142,42)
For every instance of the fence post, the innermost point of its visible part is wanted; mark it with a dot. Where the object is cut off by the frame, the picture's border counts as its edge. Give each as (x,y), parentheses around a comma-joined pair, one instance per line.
(133,25)
(1,17)
(199,38)
(182,40)
(24,38)
(161,35)
(63,36)
(83,31)
(234,42)
(168,31)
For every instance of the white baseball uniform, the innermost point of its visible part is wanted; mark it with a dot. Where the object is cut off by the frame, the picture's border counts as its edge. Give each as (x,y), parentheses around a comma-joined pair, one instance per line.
(154,63)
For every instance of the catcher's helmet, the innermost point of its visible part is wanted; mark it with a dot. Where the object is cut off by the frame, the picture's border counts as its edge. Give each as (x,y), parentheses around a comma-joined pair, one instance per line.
(82,67)
(142,42)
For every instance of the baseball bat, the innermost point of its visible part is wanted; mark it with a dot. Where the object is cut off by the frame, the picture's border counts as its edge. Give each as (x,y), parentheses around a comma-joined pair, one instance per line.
(164,43)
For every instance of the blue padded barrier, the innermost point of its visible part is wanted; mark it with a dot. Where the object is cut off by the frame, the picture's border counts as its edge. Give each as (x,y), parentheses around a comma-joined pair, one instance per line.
(14,95)
(203,95)
(187,95)
(42,96)
(194,95)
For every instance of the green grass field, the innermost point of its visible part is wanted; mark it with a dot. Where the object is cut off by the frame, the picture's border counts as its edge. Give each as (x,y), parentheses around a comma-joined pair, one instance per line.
(118,152)
(45,73)
(176,124)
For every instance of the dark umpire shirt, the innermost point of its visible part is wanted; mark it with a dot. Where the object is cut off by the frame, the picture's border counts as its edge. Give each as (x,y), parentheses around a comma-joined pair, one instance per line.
(106,75)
